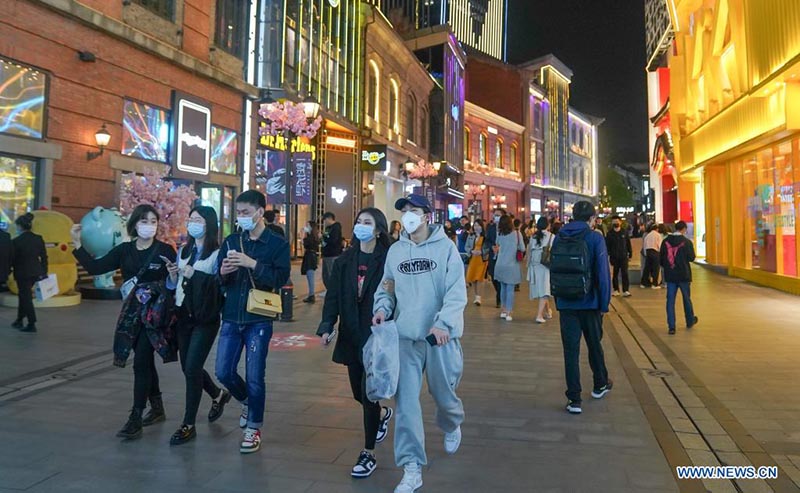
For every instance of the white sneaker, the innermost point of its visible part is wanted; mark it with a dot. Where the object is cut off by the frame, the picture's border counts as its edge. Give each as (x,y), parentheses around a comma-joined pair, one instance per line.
(656,287)
(508,318)
(503,315)
(243,418)
(626,294)
(452,441)
(548,315)
(412,479)
(477,301)
(540,320)
(615,293)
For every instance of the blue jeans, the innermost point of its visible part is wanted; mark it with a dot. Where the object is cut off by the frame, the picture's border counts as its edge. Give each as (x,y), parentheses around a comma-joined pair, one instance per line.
(507,296)
(688,309)
(311,277)
(255,339)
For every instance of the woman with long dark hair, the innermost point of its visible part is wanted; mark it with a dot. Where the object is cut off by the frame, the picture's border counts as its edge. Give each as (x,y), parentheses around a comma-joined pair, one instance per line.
(198,298)
(356,276)
(538,273)
(395,230)
(308,268)
(143,262)
(478,262)
(507,270)
(29,260)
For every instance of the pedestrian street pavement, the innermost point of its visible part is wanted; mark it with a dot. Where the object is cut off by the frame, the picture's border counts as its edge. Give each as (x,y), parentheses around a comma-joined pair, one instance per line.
(723,392)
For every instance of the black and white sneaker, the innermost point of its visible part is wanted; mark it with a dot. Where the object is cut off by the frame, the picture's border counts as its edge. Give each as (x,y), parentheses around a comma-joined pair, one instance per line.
(365,466)
(602,391)
(383,427)
(574,407)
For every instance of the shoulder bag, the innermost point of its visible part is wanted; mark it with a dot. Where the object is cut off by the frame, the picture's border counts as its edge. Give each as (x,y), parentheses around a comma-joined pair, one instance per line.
(127,286)
(260,302)
(546,252)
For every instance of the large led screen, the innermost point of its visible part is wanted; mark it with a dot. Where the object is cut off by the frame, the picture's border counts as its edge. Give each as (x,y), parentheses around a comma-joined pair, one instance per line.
(22,95)
(224,150)
(145,131)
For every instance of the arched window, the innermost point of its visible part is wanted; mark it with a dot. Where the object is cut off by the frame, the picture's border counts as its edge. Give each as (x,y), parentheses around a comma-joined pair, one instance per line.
(498,153)
(394,106)
(572,134)
(373,91)
(411,117)
(512,159)
(581,140)
(467,144)
(483,149)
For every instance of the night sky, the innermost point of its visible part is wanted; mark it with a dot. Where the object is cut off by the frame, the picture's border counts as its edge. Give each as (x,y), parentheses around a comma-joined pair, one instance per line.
(602,41)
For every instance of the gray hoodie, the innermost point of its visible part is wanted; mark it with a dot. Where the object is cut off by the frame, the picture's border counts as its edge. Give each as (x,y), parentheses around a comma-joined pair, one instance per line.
(429,286)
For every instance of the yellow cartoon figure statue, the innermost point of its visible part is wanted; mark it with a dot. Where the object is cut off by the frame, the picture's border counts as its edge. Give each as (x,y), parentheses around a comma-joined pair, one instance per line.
(54,228)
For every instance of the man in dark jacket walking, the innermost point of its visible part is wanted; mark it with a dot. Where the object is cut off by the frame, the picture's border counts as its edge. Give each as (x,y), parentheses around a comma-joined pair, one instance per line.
(583,315)
(619,248)
(332,245)
(677,254)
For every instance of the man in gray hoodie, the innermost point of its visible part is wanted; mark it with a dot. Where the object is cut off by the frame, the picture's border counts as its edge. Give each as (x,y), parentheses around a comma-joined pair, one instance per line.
(424,292)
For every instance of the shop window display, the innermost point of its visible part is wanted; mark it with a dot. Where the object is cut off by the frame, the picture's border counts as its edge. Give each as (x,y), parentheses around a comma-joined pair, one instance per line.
(22,92)
(145,131)
(17,188)
(224,150)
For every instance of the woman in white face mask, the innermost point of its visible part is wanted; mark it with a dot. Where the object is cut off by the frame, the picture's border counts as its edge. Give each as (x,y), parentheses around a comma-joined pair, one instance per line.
(354,281)
(478,261)
(199,301)
(142,261)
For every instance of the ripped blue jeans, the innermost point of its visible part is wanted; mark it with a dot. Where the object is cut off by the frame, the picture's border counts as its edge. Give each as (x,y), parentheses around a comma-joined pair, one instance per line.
(254,339)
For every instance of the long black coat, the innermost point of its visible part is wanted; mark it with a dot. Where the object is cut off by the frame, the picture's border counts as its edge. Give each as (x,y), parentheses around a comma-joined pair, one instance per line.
(342,303)
(6,256)
(30,256)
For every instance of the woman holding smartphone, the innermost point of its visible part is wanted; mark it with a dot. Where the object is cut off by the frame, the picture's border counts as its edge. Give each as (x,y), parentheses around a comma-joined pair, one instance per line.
(355,278)
(141,260)
(198,298)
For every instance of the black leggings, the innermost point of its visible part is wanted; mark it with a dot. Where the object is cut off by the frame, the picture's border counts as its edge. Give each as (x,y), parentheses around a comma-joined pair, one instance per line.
(25,307)
(372,410)
(194,344)
(145,376)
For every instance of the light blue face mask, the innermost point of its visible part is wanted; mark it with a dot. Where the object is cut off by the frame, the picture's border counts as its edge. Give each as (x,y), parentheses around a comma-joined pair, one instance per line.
(196,230)
(364,232)
(246,223)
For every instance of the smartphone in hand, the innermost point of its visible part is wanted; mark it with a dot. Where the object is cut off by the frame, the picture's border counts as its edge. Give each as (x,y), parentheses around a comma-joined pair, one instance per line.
(431,340)
(166,260)
(330,337)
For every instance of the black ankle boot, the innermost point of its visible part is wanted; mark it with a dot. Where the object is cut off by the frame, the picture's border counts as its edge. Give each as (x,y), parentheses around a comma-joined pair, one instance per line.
(156,413)
(133,428)
(31,327)
(18,324)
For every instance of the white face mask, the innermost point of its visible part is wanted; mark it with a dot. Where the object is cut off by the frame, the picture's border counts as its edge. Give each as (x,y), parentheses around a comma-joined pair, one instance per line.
(478,230)
(307,229)
(196,230)
(497,219)
(411,221)
(146,231)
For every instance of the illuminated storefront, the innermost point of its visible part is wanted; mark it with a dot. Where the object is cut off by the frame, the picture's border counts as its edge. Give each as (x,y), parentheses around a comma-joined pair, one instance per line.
(735,104)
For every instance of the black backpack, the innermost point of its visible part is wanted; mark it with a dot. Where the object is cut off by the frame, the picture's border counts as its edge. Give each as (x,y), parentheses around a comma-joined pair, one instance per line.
(571,267)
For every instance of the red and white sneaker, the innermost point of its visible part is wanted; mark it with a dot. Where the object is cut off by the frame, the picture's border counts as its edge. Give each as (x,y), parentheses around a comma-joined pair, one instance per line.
(251,442)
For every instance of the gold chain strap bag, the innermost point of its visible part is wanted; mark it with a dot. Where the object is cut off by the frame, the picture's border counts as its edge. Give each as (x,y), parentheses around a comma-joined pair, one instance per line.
(259,302)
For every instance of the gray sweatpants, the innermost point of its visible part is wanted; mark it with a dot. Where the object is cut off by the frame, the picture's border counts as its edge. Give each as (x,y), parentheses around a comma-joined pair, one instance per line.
(443,367)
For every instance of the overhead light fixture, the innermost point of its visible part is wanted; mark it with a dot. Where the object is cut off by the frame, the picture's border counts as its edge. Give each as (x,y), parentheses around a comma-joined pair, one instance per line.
(311,107)
(101,138)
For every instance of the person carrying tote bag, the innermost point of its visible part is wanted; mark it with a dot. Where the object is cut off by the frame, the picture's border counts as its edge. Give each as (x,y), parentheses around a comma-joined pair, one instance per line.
(538,269)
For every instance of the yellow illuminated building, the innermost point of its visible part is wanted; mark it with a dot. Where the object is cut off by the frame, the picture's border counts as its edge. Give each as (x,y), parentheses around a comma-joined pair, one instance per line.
(735,106)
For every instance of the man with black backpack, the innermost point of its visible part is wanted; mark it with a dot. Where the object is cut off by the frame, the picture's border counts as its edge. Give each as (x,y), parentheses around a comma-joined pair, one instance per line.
(581,284)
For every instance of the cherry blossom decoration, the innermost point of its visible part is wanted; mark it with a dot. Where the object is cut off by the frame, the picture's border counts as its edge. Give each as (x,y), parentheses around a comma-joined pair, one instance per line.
(423,169)
(286,117)
(173,203)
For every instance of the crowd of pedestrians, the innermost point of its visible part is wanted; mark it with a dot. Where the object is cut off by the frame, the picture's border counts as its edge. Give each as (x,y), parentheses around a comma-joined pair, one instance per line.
(413,272)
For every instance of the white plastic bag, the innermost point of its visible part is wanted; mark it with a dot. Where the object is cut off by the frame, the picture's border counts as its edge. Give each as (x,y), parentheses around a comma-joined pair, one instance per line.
(46,288)
(382,362)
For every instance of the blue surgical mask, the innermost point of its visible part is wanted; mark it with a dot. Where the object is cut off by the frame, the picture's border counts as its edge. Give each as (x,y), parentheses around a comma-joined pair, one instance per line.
(497,219)
(364,232)
(246,223)
(196,230)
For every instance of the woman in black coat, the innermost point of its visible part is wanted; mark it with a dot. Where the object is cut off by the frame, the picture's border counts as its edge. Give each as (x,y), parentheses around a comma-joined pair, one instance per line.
(30,264)
(310,258)
(142,260)
(355,278)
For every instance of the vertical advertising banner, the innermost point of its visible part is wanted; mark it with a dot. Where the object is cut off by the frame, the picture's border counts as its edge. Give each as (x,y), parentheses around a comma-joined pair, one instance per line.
(302,178)
(276,177)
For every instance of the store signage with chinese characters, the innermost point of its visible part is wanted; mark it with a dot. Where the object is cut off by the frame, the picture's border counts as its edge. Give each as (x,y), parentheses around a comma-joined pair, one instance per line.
(279,143)
(302,178)
(373,158)
(191,134)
